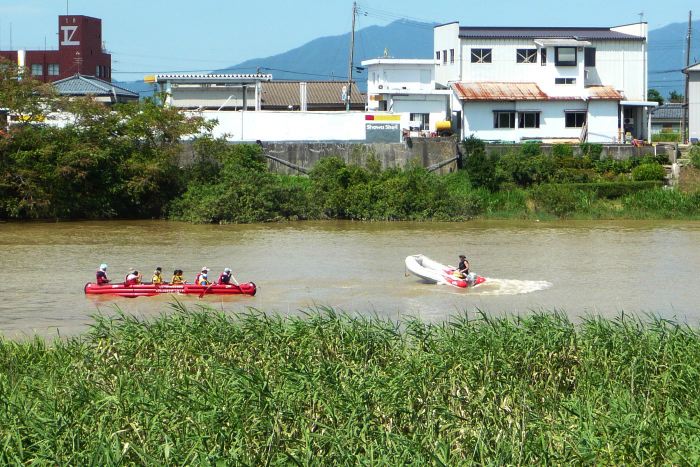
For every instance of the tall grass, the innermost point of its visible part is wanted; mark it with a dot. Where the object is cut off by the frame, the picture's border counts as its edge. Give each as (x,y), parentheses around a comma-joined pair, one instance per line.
(200,387)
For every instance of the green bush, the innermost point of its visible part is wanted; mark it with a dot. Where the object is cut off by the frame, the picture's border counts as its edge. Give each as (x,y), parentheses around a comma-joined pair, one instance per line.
(526,168)
(614,190)
(666,137)
(648,171)
(591,150)
(663,203)
(560,200)
(482,170)
(562,151)
(695,156)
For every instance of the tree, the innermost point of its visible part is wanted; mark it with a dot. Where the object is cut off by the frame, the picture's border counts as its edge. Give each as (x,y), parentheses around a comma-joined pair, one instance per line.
(675,97)
(24,97)
(655,96)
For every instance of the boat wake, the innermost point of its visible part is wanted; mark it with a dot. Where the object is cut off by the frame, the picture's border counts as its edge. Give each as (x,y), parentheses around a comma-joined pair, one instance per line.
(509,287)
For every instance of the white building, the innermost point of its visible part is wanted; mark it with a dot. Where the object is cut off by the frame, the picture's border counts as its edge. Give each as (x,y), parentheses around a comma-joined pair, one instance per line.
(693,103)
(407,87)
(212,91)
(513,84)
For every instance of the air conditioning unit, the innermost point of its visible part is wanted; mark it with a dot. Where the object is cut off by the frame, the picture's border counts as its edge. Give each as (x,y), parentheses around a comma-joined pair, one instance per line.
(629,121)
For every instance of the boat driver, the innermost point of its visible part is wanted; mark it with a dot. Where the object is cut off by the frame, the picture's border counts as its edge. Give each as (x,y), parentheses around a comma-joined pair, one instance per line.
(101,275)
(225,277)
(463,268)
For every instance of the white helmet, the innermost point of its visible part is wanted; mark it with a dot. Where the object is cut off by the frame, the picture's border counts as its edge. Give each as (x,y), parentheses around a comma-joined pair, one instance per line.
(227,269)
(103,267)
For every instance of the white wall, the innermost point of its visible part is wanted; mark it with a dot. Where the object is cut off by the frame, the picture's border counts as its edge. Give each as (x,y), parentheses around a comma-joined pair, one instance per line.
(198,96)
(694,105)
(620,64)
(603,119)
(446,37)
(392,77)
(478,120)
(287,126)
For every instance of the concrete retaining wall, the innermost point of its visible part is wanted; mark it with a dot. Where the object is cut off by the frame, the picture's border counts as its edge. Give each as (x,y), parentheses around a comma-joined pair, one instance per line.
(615,151)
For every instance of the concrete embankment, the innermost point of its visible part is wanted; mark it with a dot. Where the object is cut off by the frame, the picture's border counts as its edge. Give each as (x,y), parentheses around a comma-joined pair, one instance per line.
(438,154)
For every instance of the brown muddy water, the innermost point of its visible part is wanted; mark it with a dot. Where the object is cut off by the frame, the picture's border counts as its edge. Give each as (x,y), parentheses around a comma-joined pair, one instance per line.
(578,267)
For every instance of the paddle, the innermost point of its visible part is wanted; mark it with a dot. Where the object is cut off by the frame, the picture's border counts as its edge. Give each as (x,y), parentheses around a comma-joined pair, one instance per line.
(206,290)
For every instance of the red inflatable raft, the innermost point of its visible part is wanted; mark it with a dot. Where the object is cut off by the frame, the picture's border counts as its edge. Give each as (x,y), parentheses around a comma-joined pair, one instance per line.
(149,290)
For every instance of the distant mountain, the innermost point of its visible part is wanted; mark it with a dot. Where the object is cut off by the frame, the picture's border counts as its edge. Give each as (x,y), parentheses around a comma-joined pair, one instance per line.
(326,58)
(667,56)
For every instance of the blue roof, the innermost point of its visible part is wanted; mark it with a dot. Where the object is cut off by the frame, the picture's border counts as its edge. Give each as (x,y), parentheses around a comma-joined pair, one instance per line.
(671,111)
(83,85)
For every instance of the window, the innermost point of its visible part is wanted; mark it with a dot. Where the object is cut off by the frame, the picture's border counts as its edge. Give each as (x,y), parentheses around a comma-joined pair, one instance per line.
(444,56)
(564,80)
(543,57)
(565,56)
(504,119)
(526,56)
(452,55)
(98,71)
(37,69)
(589,56)
(437,55)
(575,119)
(53,69)
(528,120)
(423,121)
(481,55)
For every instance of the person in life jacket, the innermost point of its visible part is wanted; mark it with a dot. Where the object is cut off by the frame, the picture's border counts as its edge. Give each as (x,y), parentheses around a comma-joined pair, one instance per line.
(463,268)
(133,278)
(177,277)
(203,279)
(157,278)
(225,277)
(205,270)
(101,275)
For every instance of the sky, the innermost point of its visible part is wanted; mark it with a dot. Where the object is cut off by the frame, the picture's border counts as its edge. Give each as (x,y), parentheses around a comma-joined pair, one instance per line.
(149,36)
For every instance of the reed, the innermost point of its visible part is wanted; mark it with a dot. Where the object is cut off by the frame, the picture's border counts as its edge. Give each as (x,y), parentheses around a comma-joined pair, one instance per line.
(200,387)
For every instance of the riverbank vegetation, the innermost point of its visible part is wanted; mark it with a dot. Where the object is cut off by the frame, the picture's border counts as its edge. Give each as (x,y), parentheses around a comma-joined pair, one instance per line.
(128,161)
(201,387)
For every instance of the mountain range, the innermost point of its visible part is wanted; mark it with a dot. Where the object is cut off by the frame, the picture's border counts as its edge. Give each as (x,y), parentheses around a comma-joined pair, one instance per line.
(326,58)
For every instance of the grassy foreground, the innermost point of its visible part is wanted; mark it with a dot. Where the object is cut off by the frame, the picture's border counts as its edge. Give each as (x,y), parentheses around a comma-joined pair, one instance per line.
(199,387)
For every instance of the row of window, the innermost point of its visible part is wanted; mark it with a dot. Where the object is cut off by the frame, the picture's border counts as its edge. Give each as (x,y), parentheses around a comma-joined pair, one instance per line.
(507,119)
(52,69)
(563,56)
(444,56)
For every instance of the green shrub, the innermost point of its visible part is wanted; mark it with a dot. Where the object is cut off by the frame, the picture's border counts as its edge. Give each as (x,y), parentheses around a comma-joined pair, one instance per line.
(648,171)
(525,169)
(695,156)
(562,151)
(591,150)
(613,190)
(571,175)
(560,200)
(663,203)
(666,137)
(472,144)
(482,170)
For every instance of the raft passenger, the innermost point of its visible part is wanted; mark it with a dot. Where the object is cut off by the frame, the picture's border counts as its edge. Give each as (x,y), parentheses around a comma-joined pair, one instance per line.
(225,277)
(101,275)
(205,270)
(203,279)
(133,278)
(177,277)
(157,278)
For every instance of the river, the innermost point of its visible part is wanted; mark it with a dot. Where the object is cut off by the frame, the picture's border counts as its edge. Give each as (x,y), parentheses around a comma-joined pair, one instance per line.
(578,267)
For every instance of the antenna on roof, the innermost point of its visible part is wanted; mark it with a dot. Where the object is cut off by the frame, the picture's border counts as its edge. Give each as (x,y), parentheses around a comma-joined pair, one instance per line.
(641,16)
(66,7)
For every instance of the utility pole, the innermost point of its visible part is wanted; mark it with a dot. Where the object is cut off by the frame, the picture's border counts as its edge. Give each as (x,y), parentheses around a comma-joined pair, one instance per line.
(684,122)
(352,56)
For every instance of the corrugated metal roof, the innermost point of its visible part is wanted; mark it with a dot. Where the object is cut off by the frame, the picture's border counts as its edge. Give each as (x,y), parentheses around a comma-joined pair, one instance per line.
(492,91)
(496,91)
(282,94)
(80,85)
(670,111)
(604,93)
(471,32)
